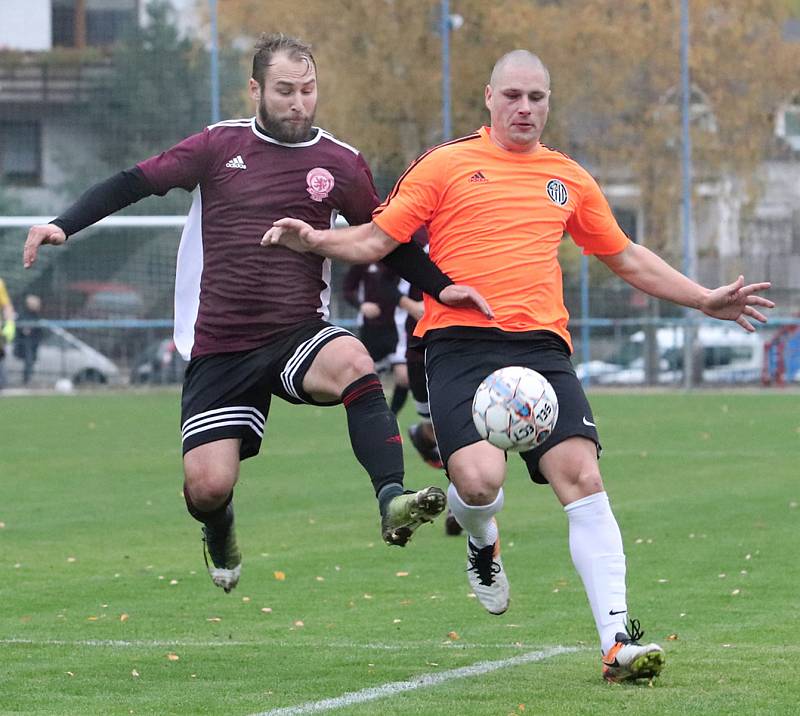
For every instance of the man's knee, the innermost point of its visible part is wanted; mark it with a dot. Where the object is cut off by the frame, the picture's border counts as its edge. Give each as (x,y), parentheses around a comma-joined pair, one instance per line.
(210,473)
(358,365)
(478,472)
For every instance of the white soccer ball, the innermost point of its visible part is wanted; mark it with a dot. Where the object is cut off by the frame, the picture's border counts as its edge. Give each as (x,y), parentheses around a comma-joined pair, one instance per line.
(515,409)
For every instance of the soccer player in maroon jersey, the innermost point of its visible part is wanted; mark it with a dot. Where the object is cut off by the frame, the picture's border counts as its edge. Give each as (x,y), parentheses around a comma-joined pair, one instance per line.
(253,322)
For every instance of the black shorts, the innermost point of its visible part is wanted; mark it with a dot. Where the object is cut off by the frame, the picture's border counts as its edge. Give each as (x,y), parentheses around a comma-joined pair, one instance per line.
(379,340)
(227,395)
(455,367)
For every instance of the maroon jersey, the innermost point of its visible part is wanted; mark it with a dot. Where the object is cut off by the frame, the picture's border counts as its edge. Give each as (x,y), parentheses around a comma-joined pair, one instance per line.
(232,294)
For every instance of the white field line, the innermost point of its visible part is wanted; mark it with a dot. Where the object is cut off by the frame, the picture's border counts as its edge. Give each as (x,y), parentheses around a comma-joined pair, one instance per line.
(396,687)
(159,643)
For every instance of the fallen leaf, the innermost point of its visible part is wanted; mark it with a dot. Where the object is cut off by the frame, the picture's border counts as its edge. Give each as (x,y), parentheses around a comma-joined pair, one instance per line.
(69,673)
(245,599)
(735,592)
(91,619)
(299,623)
(266,610)
(280,576)
(214,619)
(173,657)
(672,637)
(2,525)
(134,673)
(401,574)
(173,582)
(367,596)
(320,579)
(71,559)
(453,636)
(123,617)
(396,621)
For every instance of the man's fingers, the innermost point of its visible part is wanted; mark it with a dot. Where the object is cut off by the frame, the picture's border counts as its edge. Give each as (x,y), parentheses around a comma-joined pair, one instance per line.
(755,287)
(744,323)
(482,303)
(753,313)
(760,301)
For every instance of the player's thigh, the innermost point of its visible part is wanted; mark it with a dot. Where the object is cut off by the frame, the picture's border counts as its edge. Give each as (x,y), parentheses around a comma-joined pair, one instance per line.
(572,469)
(317,362)
(454,369)
(575,419)
(226,397)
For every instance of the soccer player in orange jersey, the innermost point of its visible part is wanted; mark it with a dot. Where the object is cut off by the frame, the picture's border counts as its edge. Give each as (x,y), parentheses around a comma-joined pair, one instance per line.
(496,204)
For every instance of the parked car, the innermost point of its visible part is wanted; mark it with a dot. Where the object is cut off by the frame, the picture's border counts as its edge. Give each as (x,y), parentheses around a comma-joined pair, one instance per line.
(103,300)
(729,355)
(159,363)
(63,355)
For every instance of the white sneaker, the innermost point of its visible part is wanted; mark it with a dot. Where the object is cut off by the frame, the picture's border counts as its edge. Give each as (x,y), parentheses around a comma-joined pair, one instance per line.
(629,660)
(487,576)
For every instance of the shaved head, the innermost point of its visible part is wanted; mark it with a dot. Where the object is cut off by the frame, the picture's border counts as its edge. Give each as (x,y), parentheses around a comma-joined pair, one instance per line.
(517,58)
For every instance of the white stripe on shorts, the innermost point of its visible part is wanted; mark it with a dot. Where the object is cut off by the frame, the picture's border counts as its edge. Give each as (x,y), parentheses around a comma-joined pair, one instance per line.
(224,423)
(210,419)
(302,352)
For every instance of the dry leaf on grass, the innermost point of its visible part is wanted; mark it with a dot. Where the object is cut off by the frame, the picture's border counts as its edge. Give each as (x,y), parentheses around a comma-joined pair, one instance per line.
(173,657)
(453,636)
(280,576)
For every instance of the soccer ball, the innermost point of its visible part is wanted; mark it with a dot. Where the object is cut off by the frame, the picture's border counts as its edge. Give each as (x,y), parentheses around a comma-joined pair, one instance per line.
(515,409)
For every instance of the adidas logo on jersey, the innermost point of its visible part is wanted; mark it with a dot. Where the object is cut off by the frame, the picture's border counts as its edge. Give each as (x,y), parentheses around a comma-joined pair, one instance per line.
(478,177)
(236,163)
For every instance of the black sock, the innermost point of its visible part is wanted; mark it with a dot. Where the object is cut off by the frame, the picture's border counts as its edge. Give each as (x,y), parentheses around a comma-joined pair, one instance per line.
(398,398)
(218,518)
(374,435)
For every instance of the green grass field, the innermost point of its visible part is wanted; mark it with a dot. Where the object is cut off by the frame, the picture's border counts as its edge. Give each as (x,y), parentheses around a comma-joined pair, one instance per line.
(107,609)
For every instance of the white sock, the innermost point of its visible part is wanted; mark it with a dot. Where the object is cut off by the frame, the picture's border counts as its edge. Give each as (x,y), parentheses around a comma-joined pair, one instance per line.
(595,544)
(476,519)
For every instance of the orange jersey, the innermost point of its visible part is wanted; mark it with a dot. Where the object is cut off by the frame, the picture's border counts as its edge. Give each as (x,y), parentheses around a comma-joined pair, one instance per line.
(495,220)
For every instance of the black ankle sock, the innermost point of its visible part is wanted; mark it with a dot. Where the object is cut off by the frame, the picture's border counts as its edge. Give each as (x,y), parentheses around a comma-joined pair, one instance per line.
(374,434)
(398,399)
(220,517)
(387,494)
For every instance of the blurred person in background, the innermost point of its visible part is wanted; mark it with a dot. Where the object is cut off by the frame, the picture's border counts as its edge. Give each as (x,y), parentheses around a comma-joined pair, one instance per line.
(8,329)
(26,346)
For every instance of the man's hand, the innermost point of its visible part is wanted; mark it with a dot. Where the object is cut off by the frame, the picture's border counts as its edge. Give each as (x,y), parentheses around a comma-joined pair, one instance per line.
(369,309)
(461,296)
(735,302)
(38,235)
(414,308)
(293,234)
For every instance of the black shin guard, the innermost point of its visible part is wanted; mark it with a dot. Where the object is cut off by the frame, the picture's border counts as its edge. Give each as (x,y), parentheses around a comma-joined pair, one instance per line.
(374,434)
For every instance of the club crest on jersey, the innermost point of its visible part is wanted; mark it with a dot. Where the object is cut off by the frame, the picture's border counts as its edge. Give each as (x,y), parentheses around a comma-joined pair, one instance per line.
(557,192)
(320,183)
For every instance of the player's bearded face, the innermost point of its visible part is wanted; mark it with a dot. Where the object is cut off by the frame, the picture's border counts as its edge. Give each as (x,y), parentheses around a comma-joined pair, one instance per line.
(288,100)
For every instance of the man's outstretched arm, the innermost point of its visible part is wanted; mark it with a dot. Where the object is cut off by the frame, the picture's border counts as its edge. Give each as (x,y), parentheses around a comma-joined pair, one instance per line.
(646,271)
(367,243)
(97,202)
